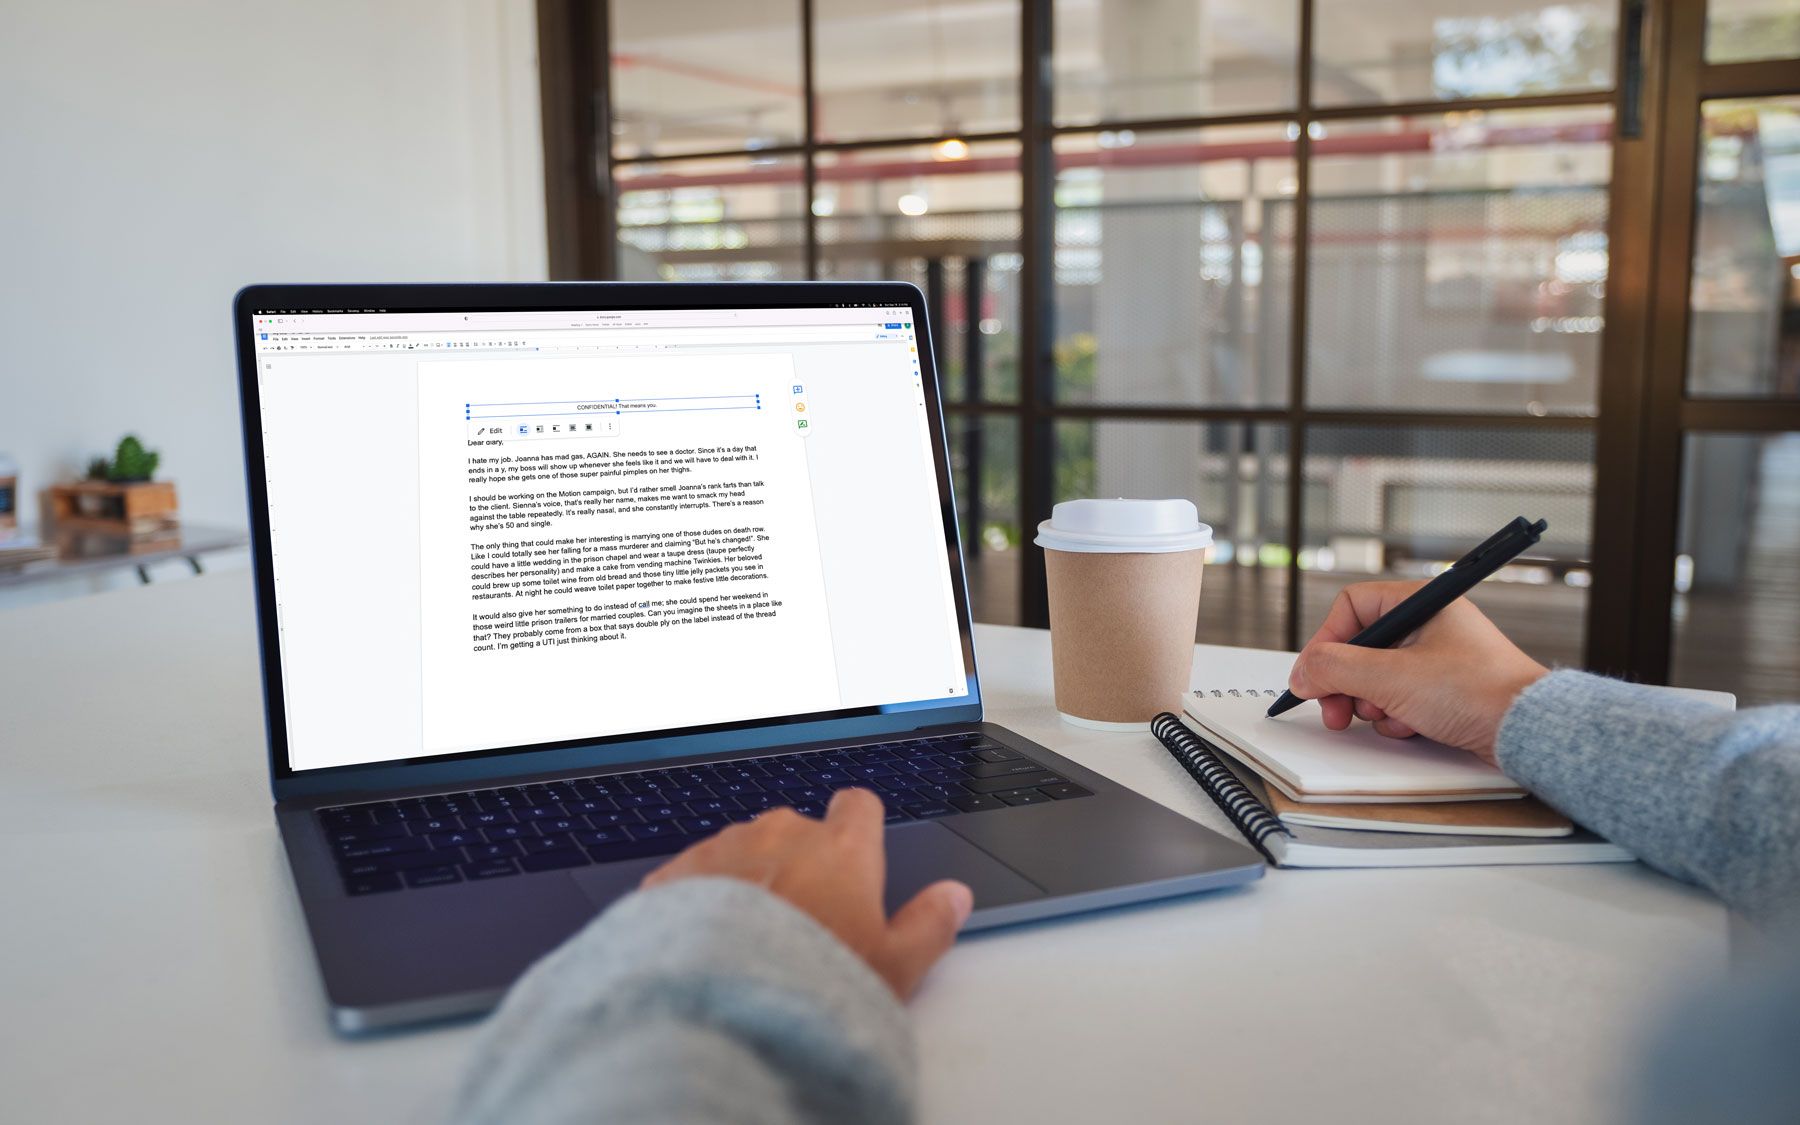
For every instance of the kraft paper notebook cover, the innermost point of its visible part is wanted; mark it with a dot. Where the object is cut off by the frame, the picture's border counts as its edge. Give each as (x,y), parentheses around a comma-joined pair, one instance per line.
(1240,795)
(1527,816)
(1296,754)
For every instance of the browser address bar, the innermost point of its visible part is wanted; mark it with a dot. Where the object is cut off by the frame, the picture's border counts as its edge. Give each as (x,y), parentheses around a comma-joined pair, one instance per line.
(717,336)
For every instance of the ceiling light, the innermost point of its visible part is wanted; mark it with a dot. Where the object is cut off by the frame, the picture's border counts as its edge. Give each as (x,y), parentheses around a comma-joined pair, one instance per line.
(912,204)
(955,148)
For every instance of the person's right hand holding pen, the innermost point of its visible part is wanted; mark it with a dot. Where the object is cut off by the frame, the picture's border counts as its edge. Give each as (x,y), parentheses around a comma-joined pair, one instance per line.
(1450,673)
(1452,681)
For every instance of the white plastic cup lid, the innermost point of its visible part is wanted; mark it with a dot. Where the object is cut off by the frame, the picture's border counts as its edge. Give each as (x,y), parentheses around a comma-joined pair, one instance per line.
(1124,526)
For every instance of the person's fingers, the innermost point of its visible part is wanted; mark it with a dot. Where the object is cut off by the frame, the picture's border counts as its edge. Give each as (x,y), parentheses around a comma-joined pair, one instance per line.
(771,829)
(776,817)
(670,869)
(1336,711)
(754,852)
(922,931)
(1355,607)
(1368,712)
(854,812)
(1335,669)
(691,859)
(1340,622)
(855,818)
(1394,728)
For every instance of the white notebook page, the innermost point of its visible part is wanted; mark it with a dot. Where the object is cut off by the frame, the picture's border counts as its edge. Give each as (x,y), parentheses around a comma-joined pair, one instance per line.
(1296,750)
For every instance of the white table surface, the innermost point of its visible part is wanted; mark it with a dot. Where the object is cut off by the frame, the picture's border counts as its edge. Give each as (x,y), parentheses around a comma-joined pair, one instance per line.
(153,963)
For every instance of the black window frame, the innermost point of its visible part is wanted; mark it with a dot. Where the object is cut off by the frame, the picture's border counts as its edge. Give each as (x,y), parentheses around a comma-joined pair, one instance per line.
(1660,81)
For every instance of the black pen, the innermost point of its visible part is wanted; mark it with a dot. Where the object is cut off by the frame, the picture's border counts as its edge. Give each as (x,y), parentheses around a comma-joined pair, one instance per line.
(1410,616)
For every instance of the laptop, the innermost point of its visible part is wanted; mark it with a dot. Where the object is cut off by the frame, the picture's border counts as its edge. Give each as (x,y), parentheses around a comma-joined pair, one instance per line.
(554,580)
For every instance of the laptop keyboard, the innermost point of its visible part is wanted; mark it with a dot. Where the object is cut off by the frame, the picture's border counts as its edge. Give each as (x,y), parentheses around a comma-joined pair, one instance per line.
(494,833)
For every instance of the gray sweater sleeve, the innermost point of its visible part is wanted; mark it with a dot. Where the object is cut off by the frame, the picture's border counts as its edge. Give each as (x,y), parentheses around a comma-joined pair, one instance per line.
(704,1000)
(1708,795)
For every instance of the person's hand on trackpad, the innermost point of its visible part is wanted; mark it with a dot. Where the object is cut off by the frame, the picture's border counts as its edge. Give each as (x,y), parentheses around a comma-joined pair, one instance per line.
(834,869)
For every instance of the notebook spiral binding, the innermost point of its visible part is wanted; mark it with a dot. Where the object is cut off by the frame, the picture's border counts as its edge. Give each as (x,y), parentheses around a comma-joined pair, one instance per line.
(1247,814)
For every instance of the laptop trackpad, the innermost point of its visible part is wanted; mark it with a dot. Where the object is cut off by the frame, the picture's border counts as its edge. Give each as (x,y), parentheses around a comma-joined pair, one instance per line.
(918,855)
(921,854)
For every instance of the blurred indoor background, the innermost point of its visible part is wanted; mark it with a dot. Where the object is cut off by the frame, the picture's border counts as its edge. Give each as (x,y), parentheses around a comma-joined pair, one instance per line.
(1362,278)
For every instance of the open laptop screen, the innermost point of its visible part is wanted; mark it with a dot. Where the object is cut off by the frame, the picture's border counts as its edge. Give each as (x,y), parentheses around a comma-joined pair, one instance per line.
(502,529)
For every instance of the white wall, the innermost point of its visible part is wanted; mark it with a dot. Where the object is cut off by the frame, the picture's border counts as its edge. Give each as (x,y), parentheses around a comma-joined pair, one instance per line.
(155,156)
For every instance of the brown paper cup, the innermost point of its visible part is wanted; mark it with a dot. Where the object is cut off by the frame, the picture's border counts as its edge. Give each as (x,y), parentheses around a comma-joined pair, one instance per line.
(1122,633)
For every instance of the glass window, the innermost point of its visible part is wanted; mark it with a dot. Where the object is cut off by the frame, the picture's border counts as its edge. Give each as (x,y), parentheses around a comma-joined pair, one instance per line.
(1744,320)
(1429,50)
(726,219)
(1390,502)
(1163,291)
(1458,262)
(1119,60)
(1737,590)
(921,214)
(973,331)
(874,204)
(1234,472)
(705,76)
(886,69)
(986,448)
(1744,30)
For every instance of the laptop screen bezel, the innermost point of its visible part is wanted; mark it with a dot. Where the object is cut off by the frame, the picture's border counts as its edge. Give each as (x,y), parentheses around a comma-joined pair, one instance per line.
(614,752)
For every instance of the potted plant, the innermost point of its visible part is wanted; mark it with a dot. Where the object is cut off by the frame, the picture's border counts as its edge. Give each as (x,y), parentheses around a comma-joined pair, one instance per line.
(118,495)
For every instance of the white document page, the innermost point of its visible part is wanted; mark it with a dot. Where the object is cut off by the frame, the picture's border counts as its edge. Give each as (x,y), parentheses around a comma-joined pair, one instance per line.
(567,506)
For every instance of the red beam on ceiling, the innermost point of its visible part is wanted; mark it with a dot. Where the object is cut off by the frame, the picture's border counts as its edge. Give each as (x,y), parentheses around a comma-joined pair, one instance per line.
(626,61)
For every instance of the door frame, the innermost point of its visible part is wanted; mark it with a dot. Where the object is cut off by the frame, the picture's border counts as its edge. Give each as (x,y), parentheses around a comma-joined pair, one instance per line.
(1645,411)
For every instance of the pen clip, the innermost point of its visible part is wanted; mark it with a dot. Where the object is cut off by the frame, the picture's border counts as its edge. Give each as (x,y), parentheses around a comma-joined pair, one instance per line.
(1520,527)
(1490,542)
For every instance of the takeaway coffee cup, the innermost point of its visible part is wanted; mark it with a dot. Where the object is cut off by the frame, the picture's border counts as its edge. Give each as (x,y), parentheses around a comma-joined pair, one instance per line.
(1124,580)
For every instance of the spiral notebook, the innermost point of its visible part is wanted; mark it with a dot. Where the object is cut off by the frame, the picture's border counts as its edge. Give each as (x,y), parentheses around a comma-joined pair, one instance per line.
(1240,796)
(1295,754)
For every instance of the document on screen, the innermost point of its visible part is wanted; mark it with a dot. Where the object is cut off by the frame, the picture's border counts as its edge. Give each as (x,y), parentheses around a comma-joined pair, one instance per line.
(615,544)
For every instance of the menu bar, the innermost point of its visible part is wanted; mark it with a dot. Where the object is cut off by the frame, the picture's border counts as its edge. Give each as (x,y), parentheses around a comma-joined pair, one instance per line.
(295,320)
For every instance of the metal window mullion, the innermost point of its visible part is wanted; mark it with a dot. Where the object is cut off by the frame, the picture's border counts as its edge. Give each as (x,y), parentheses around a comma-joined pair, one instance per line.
(809,141)
(574,85)
(1659,482)
(1296,406)
(1037,249)
(1758,79)
(1382,419)
(1375,110)
(606,258)
(1740,415)
(974,436)
(1372,112)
